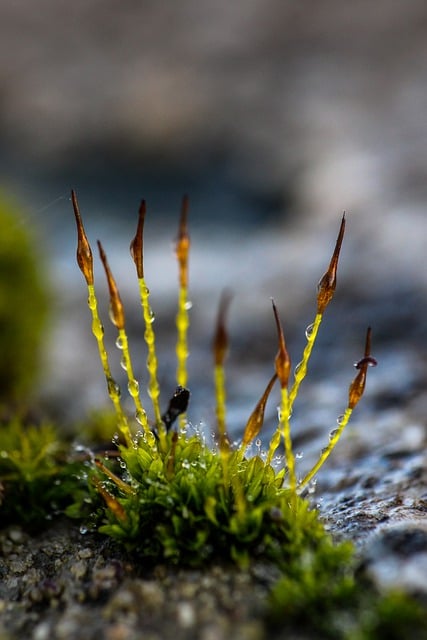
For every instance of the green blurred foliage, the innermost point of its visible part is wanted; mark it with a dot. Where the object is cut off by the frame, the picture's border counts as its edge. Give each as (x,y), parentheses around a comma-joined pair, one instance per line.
(23,305)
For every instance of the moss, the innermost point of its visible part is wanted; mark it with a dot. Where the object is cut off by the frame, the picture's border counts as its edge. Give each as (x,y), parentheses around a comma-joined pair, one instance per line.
(37,479)
(23,305)
(167,496)
(322,593)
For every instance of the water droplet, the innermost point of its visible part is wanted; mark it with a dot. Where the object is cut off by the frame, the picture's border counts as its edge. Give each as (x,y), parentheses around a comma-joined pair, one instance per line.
(340,419)
(185,464)
(309,331)
(122,464)
(324,450)
(119,343)
(258,443)
(188,305)
(297,368)
(299,455)
(124,364)
(83,529)
(312,486)
(141,418)
(115,439)
(97,329)
(133,387)
(91,301)
(113,387)
(333,433)
(152,316)
(4,454)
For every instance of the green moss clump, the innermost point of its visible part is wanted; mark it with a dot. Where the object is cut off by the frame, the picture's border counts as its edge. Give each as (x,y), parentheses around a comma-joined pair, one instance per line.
(23,306)
(322,593)
(174,505)
(36,477)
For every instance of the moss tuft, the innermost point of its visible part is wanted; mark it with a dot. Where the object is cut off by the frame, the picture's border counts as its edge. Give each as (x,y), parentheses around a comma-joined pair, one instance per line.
(23,306)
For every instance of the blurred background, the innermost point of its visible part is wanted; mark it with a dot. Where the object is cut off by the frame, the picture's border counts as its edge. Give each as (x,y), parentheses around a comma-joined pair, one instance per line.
(275,117)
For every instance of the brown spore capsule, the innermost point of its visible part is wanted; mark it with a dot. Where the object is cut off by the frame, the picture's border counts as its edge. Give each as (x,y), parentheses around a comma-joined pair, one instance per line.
(84,252)
(256,420)
(282,361)
(220,341)
(137,244)
(183,244)
(117,311)
(328,282)
(357,387)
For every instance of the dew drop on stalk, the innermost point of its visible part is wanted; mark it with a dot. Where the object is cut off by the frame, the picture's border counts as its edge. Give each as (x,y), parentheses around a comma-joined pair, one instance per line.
(340,419)
(91,302)
(113,387)
(297,368)
(188,305)
(124,364)
(119,343)
(333,433)
(299,455)
(309,330)
(133,387)
(141,417)
(97,329)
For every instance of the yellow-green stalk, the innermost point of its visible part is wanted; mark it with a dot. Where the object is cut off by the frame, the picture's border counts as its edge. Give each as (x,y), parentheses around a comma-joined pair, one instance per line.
(355,393)
(85,262)
(220,349)
(182,317)
(137,253)
(283,369)
(325,292)
(118,319)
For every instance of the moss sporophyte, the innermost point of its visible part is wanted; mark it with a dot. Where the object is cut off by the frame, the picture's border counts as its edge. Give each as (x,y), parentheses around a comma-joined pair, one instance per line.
(166,493)
(167,496)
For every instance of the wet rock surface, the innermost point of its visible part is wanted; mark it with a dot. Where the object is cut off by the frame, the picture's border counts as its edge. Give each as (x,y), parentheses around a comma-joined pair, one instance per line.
(60,584)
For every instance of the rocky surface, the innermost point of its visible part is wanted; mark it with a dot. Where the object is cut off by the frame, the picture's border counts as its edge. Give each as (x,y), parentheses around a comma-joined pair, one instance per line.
(61,584)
